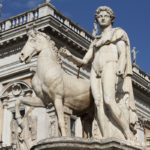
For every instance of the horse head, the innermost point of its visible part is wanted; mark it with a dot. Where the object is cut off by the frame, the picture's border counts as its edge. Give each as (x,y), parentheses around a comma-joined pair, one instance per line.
(36,42)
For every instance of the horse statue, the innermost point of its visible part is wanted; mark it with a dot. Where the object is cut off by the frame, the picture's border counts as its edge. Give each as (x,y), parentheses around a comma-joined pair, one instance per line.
(52,85)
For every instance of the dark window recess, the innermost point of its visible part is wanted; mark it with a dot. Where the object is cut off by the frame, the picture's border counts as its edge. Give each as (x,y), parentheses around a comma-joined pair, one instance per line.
(22,112)
(72,126)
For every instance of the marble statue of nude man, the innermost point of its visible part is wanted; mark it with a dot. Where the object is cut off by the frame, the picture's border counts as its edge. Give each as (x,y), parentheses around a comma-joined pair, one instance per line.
(111,60)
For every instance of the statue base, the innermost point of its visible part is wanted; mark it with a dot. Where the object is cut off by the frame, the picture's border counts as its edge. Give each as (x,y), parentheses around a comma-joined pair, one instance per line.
(66,143)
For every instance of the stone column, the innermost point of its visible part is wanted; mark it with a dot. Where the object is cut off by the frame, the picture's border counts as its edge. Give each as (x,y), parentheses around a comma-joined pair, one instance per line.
(78,128)
(42,123)
(7,117)
(140,133)
(1,120)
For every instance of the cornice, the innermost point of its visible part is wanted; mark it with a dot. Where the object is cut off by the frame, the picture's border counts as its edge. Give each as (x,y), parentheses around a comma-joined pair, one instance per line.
(141,80)
(21,21)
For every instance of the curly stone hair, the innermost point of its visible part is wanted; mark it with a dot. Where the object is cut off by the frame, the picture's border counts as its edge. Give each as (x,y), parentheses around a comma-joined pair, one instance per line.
(107,9)
(98,10)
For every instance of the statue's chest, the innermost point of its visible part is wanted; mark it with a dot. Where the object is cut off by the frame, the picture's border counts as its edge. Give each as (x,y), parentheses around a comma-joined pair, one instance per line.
(107,52)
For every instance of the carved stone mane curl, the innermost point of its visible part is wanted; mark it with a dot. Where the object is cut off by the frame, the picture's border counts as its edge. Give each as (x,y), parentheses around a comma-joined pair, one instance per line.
(44,35)
(55,49)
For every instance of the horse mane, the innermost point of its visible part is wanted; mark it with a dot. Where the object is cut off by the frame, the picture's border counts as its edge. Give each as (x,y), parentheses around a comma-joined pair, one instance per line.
(55,49)
(44,35)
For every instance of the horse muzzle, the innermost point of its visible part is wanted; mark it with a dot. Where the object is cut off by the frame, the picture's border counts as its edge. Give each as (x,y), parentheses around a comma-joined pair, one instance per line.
(22,58)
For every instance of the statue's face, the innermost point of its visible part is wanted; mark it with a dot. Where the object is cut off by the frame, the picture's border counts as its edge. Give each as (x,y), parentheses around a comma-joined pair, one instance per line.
(104,19)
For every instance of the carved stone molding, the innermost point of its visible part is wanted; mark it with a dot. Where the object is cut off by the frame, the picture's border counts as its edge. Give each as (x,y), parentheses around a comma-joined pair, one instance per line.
(66,143)
(15,89)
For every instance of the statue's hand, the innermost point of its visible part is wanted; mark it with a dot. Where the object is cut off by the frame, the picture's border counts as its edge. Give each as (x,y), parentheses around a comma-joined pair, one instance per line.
(63,51)
(96,45)
(101,42)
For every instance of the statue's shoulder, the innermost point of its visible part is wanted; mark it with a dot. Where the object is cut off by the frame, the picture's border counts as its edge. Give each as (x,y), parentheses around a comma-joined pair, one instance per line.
(119,31)
(119,34)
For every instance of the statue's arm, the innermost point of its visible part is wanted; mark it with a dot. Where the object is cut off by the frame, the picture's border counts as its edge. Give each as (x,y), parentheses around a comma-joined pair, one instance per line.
(122,52)
(78,61)
(88,56)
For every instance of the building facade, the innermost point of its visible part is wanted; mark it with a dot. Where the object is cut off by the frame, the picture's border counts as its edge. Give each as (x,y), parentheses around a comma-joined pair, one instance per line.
(15,79)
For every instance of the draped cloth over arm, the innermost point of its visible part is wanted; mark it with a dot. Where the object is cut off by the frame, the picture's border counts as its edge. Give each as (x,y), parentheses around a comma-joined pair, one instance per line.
(116,35)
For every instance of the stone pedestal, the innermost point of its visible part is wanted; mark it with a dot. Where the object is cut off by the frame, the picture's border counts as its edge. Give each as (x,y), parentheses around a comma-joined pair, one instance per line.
(66,143)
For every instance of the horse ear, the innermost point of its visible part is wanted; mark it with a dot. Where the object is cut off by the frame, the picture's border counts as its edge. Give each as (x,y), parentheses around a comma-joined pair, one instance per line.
(31,33)
(35,31)
(28,33)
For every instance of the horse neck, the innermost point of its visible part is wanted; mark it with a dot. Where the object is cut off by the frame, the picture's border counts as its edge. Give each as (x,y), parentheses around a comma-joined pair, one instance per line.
(48,58)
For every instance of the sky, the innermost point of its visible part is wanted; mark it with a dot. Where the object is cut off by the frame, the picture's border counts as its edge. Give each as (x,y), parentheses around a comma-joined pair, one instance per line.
(131,15)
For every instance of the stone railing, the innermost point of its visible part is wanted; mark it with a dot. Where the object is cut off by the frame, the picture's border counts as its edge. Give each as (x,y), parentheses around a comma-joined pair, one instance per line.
(141,74)
(141,79)
(45,9)
(72,26)
(19,20)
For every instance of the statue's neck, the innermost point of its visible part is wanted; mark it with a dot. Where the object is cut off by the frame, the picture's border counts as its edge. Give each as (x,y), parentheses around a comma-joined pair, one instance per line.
(106,29)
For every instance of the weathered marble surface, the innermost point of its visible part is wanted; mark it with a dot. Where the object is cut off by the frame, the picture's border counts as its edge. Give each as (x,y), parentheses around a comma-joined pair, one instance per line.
(65,143)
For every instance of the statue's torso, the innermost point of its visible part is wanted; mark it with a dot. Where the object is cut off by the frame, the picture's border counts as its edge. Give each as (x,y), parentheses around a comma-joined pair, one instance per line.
(105,54)
(108,53)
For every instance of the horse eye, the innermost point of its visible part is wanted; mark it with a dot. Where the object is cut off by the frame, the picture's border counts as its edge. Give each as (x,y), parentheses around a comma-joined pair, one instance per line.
(22,54)
(32,40)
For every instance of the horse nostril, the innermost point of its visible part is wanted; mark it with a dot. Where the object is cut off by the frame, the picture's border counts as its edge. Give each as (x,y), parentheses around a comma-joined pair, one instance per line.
(22,54)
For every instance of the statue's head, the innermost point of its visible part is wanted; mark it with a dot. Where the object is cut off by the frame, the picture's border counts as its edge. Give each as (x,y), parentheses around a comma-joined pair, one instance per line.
(106,9)
(104,16)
